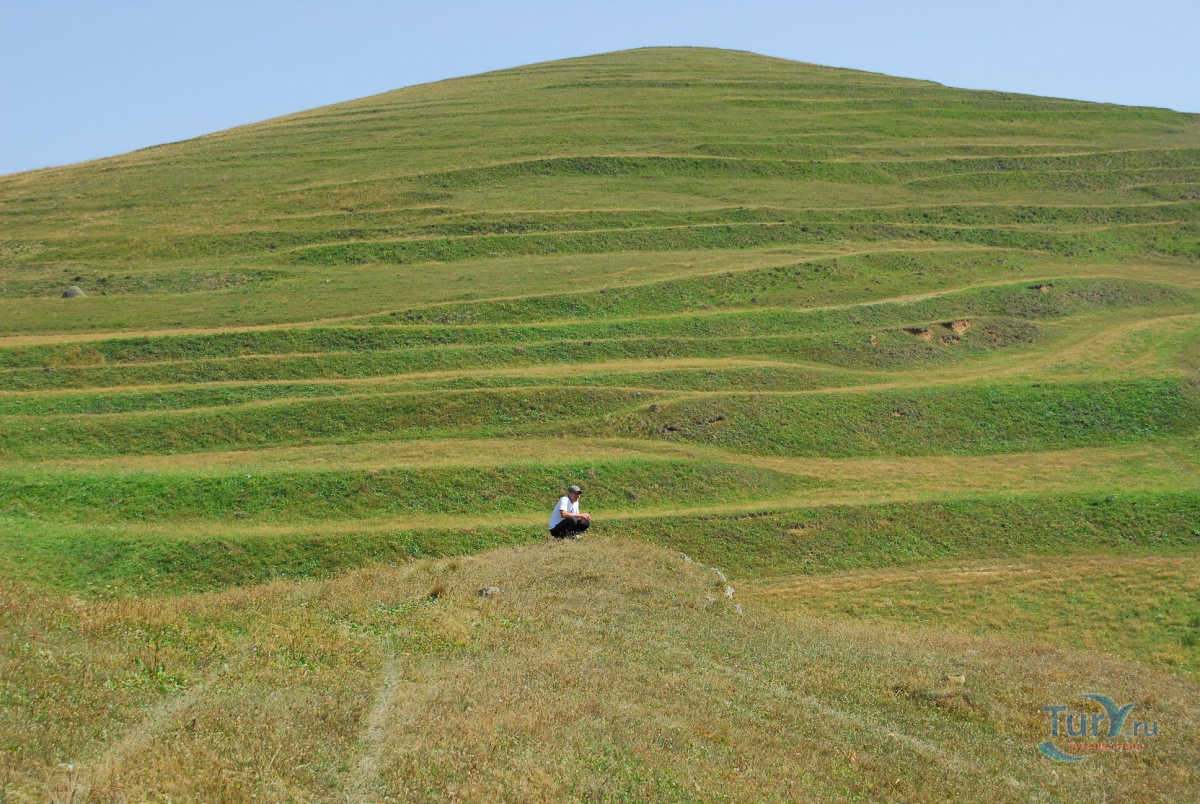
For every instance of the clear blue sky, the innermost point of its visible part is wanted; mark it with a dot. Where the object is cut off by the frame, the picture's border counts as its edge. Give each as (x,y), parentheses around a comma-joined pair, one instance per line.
(80,80)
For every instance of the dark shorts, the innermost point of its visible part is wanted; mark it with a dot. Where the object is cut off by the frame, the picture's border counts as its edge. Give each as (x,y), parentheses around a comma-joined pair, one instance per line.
(569,527)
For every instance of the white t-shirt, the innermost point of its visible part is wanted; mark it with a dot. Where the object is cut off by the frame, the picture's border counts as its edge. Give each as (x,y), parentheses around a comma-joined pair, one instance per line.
(564,504)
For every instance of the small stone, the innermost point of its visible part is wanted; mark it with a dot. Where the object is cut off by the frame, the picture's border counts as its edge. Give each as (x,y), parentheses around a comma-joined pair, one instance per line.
(74,292)
(489,591)
(720,575)
(737,607)
(728,591)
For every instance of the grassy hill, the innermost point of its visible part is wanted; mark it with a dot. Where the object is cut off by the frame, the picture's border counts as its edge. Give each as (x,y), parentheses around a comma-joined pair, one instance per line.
(915,367)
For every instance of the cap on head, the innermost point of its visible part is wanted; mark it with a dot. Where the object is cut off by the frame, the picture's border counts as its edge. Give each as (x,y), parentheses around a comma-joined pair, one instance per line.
(574,490)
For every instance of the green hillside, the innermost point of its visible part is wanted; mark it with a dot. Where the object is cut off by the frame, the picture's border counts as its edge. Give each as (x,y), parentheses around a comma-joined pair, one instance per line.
(914,366)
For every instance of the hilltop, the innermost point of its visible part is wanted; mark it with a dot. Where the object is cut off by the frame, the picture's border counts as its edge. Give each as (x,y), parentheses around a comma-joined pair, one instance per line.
(914,367)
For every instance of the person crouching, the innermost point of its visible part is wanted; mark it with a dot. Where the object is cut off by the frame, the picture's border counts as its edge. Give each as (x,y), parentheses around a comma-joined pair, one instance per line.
(566,521)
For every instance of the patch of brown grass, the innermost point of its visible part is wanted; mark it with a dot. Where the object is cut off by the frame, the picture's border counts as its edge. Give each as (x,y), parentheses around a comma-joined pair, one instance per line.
(602,670)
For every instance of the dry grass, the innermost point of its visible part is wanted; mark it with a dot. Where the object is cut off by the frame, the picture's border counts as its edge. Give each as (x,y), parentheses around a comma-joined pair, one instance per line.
(603,670)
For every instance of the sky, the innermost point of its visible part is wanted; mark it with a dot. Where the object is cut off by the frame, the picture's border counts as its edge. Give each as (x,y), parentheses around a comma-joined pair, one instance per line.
(82,80)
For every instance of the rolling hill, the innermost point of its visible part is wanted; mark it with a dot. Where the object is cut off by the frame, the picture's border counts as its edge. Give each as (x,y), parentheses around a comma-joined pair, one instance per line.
(884,395)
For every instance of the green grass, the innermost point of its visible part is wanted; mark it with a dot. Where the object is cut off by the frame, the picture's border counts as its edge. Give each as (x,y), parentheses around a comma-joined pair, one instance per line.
(349,418)
(819,283)
(183,397)
(1063,600)
(887,349)
(1178,239)
(838,538)
(474,495)
(771,543)
(49,282)
(1063,298)
(964,420)
(446,223)
(967,420)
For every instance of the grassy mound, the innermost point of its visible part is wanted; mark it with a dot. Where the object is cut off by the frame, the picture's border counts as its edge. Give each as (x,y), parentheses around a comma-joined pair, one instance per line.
(623,661)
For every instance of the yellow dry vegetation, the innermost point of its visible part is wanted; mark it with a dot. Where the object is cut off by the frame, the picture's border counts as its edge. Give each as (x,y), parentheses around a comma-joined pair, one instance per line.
(601,669)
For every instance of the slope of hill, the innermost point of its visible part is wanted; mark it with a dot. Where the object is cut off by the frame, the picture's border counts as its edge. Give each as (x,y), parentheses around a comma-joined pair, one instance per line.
(914,366)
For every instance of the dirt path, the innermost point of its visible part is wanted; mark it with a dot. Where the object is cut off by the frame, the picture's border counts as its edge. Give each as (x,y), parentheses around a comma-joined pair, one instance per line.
(362,783)
(573,369)
(397,704)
